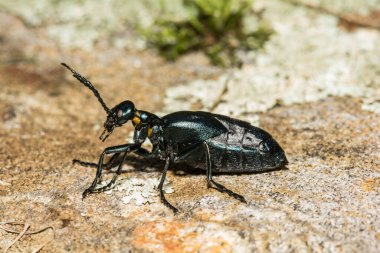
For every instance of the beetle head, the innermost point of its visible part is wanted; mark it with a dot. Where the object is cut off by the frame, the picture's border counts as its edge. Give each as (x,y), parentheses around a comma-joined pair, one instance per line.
(118,116)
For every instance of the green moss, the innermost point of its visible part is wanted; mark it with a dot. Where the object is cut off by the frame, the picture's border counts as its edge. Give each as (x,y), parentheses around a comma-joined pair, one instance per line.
(214,26)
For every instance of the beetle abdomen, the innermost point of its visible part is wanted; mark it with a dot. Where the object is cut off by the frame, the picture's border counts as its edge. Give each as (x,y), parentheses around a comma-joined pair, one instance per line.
(235,146)
(244,148)
(235,152)
(229,155)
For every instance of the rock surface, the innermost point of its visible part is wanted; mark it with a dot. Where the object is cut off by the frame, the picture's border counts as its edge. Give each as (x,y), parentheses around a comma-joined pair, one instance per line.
(326,200)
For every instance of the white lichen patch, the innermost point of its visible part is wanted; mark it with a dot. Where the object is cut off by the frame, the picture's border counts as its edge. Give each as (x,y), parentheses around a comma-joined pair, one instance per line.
(372,104)
(3,183)
(140,190)
(308,59)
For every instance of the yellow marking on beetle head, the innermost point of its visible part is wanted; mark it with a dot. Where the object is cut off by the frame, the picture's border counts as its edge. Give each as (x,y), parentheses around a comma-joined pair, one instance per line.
(150,131)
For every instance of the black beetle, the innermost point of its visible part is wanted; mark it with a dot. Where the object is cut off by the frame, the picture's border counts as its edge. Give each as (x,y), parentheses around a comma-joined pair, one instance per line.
(214,142)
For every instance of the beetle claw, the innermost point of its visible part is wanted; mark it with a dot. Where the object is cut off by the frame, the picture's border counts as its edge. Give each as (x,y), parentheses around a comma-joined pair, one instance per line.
(86,193)
(240,198)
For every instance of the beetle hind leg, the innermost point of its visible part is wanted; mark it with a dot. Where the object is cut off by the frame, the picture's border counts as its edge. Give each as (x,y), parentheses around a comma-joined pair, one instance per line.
(211,183)
(221,188)
(161,185)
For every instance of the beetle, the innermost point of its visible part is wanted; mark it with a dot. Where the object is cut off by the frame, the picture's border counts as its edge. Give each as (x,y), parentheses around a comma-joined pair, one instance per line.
(200,139)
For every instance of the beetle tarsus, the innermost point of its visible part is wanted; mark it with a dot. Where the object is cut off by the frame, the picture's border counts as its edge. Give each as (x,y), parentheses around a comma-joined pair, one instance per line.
(167,203)
(104,188)
(87,192)
(85,164)
(92,190)
(223,189)
(161,185)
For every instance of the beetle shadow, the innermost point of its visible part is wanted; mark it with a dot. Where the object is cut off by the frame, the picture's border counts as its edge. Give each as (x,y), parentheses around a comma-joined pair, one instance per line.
(139,164)
(183,169)
(149,165)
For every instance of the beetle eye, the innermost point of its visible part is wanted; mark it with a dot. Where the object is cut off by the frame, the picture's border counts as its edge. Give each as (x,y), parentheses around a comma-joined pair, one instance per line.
(263,147)
(119,113)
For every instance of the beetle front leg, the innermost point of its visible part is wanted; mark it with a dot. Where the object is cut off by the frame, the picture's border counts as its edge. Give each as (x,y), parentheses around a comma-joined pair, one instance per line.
(211,183)
(109,165)
(106,166)
(113,180)
(161,185)
(110,150)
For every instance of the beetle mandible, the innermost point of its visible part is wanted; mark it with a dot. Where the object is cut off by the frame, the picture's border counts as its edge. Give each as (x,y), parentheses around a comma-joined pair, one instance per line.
(204,140)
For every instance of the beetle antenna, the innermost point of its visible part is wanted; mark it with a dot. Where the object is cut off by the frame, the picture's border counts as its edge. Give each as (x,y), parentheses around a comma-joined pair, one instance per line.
(89,85)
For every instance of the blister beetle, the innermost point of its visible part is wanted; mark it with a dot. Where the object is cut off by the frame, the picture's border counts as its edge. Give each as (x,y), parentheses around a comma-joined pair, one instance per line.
(205,140)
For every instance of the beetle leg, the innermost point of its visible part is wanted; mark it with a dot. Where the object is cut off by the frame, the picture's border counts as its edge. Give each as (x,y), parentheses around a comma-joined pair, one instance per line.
(118,172)
(211,183)
(161,184)
(106,166)
(130,147)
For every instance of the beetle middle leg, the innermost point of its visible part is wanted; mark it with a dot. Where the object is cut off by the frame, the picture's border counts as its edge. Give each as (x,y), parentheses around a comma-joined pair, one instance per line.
(211,183)
(161,185)
(127,148)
